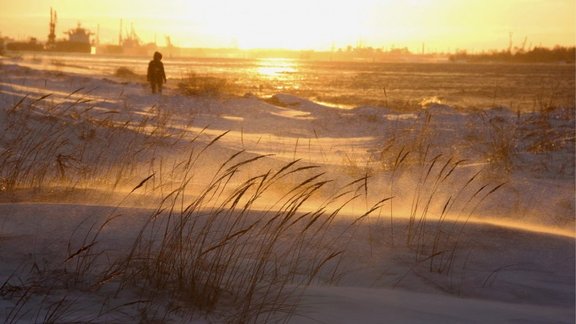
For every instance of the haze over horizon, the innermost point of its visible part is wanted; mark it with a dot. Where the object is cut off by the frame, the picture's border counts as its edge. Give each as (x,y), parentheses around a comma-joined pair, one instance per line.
(442,25)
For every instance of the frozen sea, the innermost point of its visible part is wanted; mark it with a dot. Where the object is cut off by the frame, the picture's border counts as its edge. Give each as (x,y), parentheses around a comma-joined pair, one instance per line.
(403,86)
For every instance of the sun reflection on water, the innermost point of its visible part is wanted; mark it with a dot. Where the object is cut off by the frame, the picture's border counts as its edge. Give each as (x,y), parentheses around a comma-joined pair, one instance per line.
(276,67)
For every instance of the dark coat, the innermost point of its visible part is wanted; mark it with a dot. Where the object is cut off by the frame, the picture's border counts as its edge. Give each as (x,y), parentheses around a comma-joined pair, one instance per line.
(156,72)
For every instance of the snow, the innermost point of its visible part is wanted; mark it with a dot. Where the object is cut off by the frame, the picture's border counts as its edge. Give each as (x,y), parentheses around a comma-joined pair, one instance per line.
(515,260)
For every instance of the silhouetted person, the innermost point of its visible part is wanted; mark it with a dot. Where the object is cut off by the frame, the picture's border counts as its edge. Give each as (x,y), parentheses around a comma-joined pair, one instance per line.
(156,75)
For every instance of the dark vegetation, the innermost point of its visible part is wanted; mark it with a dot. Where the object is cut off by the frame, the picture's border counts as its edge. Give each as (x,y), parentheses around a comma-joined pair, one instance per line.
(519,55)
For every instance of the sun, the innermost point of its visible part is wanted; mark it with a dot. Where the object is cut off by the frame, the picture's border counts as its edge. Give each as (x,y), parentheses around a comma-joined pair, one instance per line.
(296,24)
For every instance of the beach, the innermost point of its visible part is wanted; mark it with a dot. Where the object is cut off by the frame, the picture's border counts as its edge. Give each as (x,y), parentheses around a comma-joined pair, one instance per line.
(119,206)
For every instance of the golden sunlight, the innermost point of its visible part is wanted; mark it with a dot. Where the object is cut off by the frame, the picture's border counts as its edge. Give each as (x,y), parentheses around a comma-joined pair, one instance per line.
(273,67)
(298,24)
(442,25)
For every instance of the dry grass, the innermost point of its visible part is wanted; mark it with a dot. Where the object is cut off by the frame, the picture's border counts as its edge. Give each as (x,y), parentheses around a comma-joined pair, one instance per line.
(205,247)
(196,85)
(64,144)
(501,142)
(442,198)
(128,74)
(215,252)
(243,244)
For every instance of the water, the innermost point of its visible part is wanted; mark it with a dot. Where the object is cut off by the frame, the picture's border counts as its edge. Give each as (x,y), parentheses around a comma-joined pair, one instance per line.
(523,87)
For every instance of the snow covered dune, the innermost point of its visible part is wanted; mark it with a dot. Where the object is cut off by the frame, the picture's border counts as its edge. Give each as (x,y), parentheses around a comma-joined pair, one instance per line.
(121,206)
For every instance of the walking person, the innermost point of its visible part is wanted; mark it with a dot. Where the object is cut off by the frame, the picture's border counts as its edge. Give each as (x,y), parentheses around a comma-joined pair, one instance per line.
(156,75)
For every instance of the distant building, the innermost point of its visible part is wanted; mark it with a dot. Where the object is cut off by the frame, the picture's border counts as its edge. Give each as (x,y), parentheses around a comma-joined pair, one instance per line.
(129,44)
(78,38)
(78,41)
(79,35)
(31,45)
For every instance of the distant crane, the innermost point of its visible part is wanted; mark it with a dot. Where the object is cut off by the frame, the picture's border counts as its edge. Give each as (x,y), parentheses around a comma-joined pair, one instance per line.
(52,34)
(168,41)
(120,34)
(98,35)
(524,44)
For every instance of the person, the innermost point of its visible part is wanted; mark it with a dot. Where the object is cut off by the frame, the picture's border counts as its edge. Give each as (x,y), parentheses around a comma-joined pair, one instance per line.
(156,75)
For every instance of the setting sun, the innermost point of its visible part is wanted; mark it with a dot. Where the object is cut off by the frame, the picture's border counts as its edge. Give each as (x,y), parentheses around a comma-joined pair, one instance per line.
(290,161)
(441,25)
(297,25)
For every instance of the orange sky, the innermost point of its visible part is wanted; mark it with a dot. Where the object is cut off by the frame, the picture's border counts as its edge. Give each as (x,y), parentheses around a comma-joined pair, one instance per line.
(443,25)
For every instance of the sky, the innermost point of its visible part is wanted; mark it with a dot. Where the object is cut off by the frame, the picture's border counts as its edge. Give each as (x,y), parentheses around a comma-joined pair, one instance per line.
(439,25)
